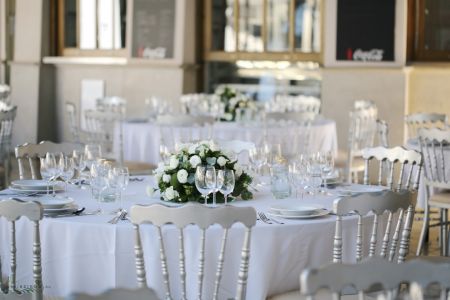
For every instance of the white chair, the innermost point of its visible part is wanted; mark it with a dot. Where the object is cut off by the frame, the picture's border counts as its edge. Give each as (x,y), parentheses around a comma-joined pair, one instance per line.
(175,129)
(13,210)
(118,294)
(30,153)
(424,120)
(362,131)
(434,144)
(6,129)
(364,104)
(298,103)
(100,129)
(203,217)
(293,143)
(373,272)
(394,242)
(112,104)
(74,128)
(383,133)
(410,165)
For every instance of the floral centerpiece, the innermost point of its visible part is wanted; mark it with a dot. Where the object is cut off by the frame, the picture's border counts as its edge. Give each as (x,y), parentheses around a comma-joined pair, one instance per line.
(176,177)
(232,100)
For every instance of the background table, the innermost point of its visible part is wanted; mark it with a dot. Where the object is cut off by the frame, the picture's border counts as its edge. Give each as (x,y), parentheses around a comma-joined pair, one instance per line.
(141,140)
(85,253)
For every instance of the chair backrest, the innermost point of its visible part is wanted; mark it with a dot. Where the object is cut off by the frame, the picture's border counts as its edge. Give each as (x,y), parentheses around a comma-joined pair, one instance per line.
(112,104)
(184,128)
(118,294)
(32,152)
(203,217)
(299,103)
(435,148)
(100,128)
(73,124)
(377,272)
(378,204)
(383,133)
(7,118)
(424,120)
(4,93)
(389,157)
(364,104)
(12,210)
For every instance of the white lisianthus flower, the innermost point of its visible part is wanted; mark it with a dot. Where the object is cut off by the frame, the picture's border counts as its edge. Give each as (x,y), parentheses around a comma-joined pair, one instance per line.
(170,193)
(237,170)
(202,152)
(158,176)
(166,178)
(192,149)
(173,162)
(221,161)
(195,161)
(150,191)
(213,146)
(160,168)
(182,176)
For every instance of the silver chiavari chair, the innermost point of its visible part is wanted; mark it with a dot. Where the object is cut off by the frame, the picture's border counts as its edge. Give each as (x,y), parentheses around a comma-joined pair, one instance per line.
(100,129)
(410,162)
(5,92)
(6,129)
(299,103)
(424,120)
(434,144)
(12,210)
(372,272)
(28,155)
(364,104)
(203,217)
(112,104)
(394,244)
(118,294)
(383,133)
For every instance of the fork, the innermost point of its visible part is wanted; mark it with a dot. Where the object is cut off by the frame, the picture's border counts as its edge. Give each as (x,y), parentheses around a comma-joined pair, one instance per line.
(265,218)
(117,217)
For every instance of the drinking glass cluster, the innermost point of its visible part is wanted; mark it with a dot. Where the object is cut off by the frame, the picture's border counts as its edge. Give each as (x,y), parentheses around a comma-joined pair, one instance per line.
(209,180)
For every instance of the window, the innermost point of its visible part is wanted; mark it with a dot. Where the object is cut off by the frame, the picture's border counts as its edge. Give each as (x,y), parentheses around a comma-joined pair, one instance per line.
(263,30)
(429,30)
(91,27)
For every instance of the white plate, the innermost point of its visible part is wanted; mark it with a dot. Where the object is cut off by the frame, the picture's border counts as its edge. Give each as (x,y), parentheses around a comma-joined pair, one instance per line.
(32,184)
(27,191)
(320,213)
(62,210)
(53,202)
(295,210)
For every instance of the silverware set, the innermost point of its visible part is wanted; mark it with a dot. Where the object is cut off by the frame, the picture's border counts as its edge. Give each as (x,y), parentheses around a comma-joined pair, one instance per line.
(267,220)
(121,215)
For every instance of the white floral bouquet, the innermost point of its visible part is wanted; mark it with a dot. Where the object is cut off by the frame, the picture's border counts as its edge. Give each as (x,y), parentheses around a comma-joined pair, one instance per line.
(176,178)
(232,100)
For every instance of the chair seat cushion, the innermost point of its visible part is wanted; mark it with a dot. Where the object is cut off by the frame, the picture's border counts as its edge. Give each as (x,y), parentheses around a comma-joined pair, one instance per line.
(440,199)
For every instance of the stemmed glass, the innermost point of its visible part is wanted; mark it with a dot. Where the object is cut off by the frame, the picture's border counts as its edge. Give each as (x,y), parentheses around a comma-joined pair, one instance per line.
(98,182)
(48,169)
(164,152)
(203,176)
(258,158)
(66,168)
(79,164)
(327,163)
(226,181)
(92,152)
(121,179)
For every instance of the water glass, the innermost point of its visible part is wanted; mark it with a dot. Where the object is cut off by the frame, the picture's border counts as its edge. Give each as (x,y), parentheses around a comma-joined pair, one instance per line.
(99,182)
(79,164)
(48,169)
(92,152)
(226,181)
(122,178)
(66,168)
(327,163)
(201,183)
(280,185)
(314,169)
(297,176)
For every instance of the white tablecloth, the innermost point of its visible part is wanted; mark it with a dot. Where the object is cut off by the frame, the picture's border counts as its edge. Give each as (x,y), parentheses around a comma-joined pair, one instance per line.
(141,140)
(85,253)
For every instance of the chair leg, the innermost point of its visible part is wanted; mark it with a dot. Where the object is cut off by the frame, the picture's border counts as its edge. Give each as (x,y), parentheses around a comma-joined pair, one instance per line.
(425,228)
(444,231)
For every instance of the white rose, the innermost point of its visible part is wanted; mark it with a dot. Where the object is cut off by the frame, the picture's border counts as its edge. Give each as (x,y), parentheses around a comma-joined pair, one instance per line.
(213,146)
(166,178)
(160,168)
(169,194)
(173,163)
(202,152)
(237,170)
(195,161)
(182,176)
(192,149)
(150,191)
(221,161)
(158,177)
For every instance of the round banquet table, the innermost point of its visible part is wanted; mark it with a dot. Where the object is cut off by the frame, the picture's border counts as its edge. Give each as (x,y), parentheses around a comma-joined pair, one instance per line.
(141,140)
(86,254)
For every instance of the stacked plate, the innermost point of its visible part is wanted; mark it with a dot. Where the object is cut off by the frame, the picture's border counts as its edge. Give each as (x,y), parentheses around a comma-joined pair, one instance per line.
(54,206)
(33,186)
(296,211)
(353,189)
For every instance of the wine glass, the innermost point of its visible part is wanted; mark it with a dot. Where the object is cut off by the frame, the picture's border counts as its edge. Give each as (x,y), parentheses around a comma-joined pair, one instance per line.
(48,168)
(66,168)
(164,153)
(327,163)
(211,181)
(201,183)
(226,181)
(79,164)
(98,182)
(122,178)
(92,152)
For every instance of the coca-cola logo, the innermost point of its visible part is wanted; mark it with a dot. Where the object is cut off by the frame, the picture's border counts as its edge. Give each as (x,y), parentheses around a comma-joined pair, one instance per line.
(370,55)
